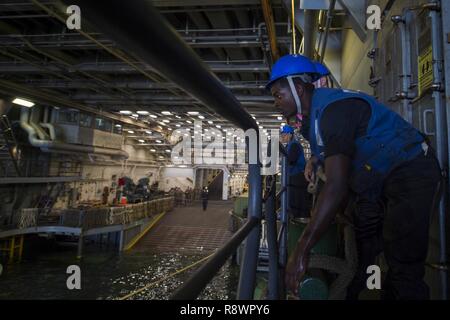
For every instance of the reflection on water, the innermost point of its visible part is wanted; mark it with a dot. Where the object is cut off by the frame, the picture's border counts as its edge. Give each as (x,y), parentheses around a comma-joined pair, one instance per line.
(106,275)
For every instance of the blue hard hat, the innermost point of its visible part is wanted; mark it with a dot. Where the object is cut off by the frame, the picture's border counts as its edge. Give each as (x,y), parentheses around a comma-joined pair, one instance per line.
(321,69)
(292,64)
(287,129)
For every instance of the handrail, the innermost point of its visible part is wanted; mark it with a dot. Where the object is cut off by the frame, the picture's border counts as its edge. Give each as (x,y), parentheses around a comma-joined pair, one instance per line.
(192,287)
(141,29)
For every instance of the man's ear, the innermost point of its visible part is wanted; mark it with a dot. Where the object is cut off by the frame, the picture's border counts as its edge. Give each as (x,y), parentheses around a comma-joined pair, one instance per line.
(300,89)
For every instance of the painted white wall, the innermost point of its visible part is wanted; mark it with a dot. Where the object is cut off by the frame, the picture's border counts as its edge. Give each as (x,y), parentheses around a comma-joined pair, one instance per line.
(176,177)
(355,65)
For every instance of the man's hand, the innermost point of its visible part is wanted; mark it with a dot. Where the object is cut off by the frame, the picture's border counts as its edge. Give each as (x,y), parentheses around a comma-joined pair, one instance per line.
(295,269)
(309,169)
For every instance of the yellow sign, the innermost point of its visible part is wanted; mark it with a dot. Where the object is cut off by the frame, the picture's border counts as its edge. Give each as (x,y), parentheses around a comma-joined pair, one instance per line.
(425,65)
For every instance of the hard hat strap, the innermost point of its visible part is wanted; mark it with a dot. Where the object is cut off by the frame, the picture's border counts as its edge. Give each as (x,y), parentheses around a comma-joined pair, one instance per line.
(295,94)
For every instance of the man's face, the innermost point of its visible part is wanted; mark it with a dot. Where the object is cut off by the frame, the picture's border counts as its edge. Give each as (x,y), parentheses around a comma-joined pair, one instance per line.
(285,137)
(284,101)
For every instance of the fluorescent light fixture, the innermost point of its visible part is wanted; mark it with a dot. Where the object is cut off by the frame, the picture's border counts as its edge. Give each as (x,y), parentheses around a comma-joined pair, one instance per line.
(178,117)
(210,122)
(261,127)
(161,157)
(123,111)
(188,121)
(118,125)
(166,113)
(201,117)
(283,124)
(257,122)
(186,134)
(253,117)
(135,115)
(170,129)
(280,118)
(142,112)
(193,113)
(140,140)
(158,141)
(166,121)
(148,131)
(153,116)
(168,150)
(152,150)
(178,125)
(182,166)
(130,131)
(197,125)
(218,126)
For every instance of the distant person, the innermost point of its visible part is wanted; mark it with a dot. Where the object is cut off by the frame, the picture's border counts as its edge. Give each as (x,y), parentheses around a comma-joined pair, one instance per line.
(299,198)
(205,193)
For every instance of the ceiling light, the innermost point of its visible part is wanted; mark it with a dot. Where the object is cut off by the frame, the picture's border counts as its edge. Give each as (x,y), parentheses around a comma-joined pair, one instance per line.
(182,166)
(210,122)
(185,134)
(161,123)
(170,129)
(178,125)
(257,122)
(153,116)
(121,111)
(161,157)
(201,117)
(158,141)
(140,140)
(135,115)
(283,124)
(141,112)
(253,117)
(280,118)
(148,131)
(193,113)
(187,121)
(206,129)
(218,126)
(166,113)
(178,117)
(261,127)
(130,131)
(197,125)
(118,125)
(167,150)
(166,121)
(152,150)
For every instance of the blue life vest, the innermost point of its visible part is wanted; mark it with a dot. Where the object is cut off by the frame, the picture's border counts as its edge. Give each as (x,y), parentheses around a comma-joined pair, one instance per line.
(388,142)
(299,165)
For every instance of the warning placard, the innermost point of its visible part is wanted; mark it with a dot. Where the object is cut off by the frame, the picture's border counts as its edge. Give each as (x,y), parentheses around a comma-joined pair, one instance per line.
(425,64)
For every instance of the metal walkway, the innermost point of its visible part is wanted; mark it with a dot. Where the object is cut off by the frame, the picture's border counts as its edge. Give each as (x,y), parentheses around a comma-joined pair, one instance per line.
(190,230)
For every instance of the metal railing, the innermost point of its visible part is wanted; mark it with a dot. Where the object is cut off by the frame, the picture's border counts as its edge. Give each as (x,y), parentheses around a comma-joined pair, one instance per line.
(177,62)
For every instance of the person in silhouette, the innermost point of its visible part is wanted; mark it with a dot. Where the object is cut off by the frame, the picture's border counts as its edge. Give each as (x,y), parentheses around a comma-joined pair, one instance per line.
(205,193)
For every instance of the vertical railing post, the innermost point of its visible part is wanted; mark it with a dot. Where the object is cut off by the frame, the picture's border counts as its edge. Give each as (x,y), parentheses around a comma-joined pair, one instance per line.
(248,268)
(271,219)
(284,211)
